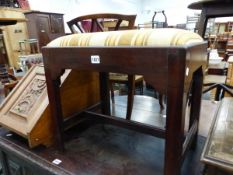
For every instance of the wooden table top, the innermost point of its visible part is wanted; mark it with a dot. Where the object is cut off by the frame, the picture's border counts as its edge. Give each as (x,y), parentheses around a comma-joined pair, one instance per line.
(218,148)
(101,149)
(105,149)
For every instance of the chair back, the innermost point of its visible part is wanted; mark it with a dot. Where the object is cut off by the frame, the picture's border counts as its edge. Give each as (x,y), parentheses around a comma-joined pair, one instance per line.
(101,22)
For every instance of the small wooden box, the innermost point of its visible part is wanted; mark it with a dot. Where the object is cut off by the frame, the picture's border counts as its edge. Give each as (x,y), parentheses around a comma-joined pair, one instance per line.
(26,109)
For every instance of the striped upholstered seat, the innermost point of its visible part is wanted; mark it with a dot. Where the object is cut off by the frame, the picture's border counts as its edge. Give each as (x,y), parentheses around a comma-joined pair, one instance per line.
(147,37)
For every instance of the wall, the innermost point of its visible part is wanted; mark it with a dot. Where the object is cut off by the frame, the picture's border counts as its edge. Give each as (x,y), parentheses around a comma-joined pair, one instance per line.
(74,8)
(176,10)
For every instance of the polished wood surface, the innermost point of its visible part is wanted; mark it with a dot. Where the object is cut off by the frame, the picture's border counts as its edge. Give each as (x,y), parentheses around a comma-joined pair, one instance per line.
(105,149)
(99,149)
(168,78)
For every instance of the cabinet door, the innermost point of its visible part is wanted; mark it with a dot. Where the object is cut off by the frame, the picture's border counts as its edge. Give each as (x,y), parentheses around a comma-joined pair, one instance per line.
(43,24)
(57,25)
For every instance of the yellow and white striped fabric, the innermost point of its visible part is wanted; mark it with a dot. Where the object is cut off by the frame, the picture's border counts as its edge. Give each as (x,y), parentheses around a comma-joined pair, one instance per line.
(146,37)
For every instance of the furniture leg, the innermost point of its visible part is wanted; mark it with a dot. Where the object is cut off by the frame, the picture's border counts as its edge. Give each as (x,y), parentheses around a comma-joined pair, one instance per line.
(222,94)
(174,133)
(175,119)
(53,85)
(131,90)
(195,102)
(217,94)
(104,93)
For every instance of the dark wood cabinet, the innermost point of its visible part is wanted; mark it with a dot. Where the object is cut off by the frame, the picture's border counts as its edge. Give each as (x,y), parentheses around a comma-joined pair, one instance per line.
(44,26)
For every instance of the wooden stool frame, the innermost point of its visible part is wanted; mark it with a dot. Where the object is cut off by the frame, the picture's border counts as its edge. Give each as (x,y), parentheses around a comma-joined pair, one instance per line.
(176,72)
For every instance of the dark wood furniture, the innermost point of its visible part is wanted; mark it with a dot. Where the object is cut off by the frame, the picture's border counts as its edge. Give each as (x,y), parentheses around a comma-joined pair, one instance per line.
(217,153)
(44,26)
(96,23)
(211,9)
(177,73)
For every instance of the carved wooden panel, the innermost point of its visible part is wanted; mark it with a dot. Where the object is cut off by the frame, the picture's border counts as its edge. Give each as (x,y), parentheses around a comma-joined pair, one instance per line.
(24,105)
(26,109)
